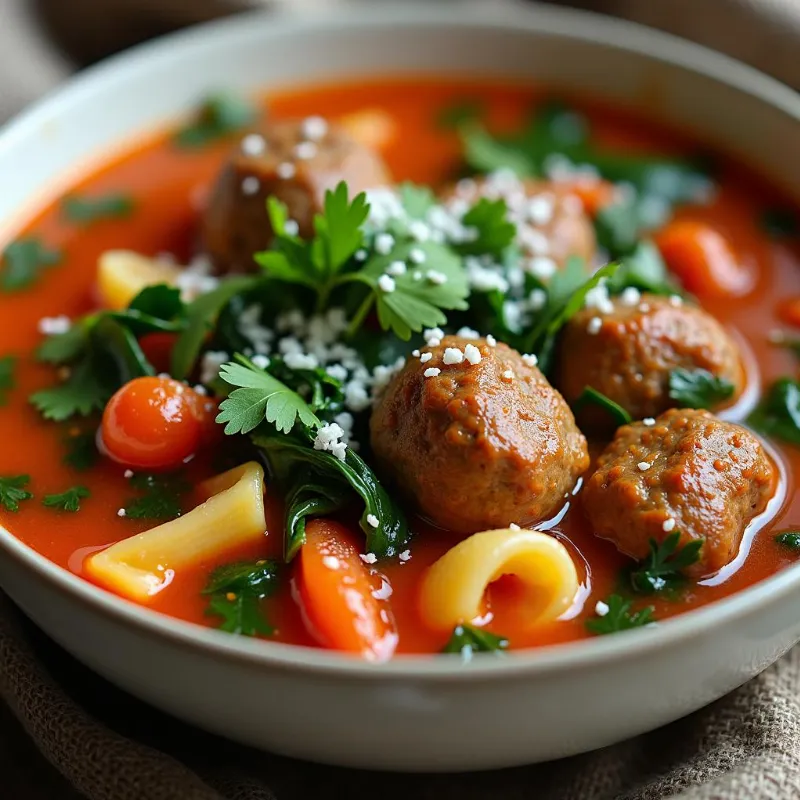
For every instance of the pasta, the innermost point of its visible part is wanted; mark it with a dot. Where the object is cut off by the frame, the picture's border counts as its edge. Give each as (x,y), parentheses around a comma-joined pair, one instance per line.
(454,586)
(233,514)
(122,274)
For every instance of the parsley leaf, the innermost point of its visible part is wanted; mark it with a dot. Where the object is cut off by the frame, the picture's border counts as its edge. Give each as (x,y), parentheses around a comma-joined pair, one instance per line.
(338,230)
(160,496)
(260,397)
(780,223)
(61,348)
(70,500)
(23,262)
(644,269)
(620,617)
(81,452)
(467,640)
(590,396)
(464,111)
(698,388)
(86,210)
(12,491)
(778,414)
(7,380)
(664,566)
(495,231)
(220,114)
(236,591)
(83,392)
(789,540)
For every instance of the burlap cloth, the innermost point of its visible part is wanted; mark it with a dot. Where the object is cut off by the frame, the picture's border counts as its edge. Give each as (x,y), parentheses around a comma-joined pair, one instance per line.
(68,734)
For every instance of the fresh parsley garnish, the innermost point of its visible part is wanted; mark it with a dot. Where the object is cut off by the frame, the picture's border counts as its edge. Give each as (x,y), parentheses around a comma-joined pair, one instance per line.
(590,396)
(86,210)
(83,392)
(620,617)
(495,231)
(13,492)
(663,569)
(789,540)
(643,269)
(698,388)
(780,223)
(160,496)
(81,452)
(70,500)
(467,640)
(260,397)
(778,414)
(7,380)
(23,262)
(459,113)
(235,594)
(220,115)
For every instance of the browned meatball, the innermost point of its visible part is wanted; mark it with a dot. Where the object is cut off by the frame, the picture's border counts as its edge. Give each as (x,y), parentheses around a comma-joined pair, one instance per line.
(293,160)
(551,223)
(689,472)
(477,446)
(629,352)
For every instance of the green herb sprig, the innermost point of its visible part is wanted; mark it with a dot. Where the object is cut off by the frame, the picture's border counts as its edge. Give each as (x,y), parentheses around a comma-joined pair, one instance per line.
(13,491)
(467,640)
(69,500)
(620,617)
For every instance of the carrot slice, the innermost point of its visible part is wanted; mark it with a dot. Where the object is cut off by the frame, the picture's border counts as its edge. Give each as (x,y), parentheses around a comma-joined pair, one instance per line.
(337,593)
(703,260)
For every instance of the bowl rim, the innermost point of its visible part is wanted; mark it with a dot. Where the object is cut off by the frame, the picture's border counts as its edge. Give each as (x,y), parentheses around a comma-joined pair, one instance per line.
(570,23)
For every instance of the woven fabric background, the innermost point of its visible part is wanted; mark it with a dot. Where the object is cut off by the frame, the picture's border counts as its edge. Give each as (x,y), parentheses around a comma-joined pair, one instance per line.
(66,734)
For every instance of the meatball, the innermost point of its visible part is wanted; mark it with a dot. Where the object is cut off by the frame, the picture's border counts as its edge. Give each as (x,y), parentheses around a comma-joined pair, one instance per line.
(551,223)
(477,446)
(293,160)
(690,473)
(628,352)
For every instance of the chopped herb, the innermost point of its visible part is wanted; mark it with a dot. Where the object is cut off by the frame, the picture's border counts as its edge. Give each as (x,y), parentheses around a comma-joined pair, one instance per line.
(260,397)
(23,262)
(220,115)
(12,491)
(236,591)
(780,223)
(86,210)
(495,231)
(83,392)
(590,396)
(663,568)
(467,640)
(460,113)
(620,617)
(778,414)
(698,388)
(67,501)
(81,452)
(160,496)
(7,380)
(644,269)
(789,540)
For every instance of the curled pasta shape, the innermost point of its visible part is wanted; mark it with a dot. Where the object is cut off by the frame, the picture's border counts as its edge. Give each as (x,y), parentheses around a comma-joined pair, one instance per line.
(454,586)
(233,515)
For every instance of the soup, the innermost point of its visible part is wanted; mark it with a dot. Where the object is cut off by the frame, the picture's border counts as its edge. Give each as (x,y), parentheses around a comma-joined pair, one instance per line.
(411,366)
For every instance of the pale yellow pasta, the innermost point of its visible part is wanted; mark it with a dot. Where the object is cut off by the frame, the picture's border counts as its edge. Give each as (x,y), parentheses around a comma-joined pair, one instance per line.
(453,588)
(233,515)
(122,274)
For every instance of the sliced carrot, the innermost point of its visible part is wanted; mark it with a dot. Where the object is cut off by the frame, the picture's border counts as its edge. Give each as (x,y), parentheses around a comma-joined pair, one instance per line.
(594,193)
(337,593)
(789,311)
(703,260)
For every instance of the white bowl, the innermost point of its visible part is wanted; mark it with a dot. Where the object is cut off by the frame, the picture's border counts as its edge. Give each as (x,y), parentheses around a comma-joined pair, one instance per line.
(414,713)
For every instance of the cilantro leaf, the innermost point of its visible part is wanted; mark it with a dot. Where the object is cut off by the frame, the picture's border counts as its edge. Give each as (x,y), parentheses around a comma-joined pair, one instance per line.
(644,269)
(23,262)
(486,153)
(778,414)
(160,496)
(84,391)
(338,230)
(221,114)
(467,640)
(590,396)
(12,491)
(81,452)
(61,348)
(495,231)
(620,617)
(86,210)
(70,500)
(456,115)
(160,301)
(236,591)
(780,223)
(789,539)
(7,381)
(260,397)
(698,388)
(417,200)
(663,568)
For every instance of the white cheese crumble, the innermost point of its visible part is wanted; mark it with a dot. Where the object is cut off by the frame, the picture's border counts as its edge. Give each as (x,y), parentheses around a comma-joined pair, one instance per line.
(649,421)
(530,359)
(435,277)
(386,284)
(211,362)
(121,512)
(384,242)
(468,333)
(598,298)
(601,608)
(368,558)
(53,326)
(305,150)
(417,255)
(593,328)
(675,300)
(251,185)
(405,555)
(425,357)
(328,438)
(490,340)
(514,527)
(314,128)
(128,473)
(372,521)
(630,296)
(396,268)
(286,170)
(472,354)
(292,227)
(415,353)
(254,144)
(537,299)
(542,267)
(508,375)
(669,525)
(385,592)
(452,355)
(644,466)
(431,372)
(260,361)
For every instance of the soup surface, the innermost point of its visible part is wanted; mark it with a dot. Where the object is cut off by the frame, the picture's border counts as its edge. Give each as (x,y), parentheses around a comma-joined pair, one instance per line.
(156,199)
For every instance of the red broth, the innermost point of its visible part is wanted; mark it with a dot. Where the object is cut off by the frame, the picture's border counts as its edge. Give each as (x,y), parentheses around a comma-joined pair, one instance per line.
(168,186)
